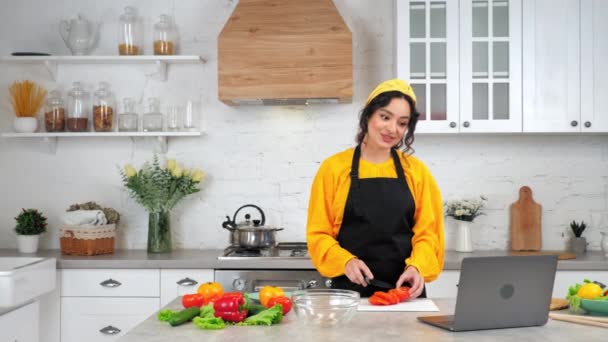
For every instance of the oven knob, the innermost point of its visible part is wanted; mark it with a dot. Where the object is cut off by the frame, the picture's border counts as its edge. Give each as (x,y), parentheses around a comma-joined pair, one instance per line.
(311,284)
(238,284)
(328,283)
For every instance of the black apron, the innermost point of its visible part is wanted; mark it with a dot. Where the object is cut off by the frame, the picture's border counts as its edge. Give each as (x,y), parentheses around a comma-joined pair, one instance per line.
(377,226)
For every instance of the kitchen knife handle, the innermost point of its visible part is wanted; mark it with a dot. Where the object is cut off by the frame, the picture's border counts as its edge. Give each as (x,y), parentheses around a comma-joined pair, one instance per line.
(109,330)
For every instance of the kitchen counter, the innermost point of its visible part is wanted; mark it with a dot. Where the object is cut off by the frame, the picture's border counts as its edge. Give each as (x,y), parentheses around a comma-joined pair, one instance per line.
(207,258)
(365,326)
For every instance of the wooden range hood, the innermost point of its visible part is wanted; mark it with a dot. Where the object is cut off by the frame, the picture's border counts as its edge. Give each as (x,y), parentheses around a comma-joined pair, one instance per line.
(285,52)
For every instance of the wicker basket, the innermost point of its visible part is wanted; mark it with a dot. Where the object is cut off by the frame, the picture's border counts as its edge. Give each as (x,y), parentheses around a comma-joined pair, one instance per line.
(87,240)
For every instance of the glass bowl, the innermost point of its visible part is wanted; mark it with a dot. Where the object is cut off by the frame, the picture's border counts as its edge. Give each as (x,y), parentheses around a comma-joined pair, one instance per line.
(326,307)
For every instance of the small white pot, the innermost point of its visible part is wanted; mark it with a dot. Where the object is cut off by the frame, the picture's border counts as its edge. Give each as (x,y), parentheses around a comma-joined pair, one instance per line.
(25,125)
(27,243)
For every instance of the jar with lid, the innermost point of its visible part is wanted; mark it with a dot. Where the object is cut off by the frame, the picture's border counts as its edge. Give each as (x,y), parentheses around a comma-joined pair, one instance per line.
(153,119)
(127,120)
(130,36)
(54,113)
(165,36)
(103,109)
(78,109)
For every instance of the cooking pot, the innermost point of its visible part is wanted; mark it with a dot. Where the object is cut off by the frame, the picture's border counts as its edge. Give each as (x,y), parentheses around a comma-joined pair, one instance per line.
(251,234)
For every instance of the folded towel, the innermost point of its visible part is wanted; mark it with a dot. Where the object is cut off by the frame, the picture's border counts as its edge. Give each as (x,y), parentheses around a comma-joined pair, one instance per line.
(85,217)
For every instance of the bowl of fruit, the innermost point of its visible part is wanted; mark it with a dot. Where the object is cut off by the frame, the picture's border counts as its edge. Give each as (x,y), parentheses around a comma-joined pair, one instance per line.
(589,297)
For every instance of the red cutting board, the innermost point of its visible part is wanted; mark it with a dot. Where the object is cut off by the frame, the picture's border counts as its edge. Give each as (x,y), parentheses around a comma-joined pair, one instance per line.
(525,222)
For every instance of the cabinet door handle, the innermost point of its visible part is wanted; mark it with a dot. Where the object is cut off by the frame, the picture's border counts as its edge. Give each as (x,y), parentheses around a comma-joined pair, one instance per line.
(110,283)
(466,124)
(574,123)
(109,330)
(587,124)
(452,124)
(187,282)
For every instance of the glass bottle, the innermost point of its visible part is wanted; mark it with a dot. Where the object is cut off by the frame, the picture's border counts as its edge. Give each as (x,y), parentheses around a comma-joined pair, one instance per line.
(54,113)
(127,120)
(78,109)
(103,109)
(130,38)
(165,36)
(153,119)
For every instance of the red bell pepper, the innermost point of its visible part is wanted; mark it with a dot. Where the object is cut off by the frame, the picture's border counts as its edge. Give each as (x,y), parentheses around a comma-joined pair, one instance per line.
(230,307)
(193,300)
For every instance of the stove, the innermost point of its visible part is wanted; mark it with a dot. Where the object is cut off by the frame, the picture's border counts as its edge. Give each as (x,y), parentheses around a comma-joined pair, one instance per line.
(284,250)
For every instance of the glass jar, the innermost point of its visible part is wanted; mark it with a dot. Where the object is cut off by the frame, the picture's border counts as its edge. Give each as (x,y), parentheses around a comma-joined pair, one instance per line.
(153,119)
(103,109)
(78,106)
(130,38)
(165,36)
(54,113)
(127,120)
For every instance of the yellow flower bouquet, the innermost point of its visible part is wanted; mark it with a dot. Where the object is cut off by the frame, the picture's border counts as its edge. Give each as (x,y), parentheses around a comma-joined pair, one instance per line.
(158,189)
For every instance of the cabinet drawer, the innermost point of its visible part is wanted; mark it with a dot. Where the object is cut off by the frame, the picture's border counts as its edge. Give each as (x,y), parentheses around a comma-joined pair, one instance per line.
(110,283)
(86,319)
(20,325)
(175,283)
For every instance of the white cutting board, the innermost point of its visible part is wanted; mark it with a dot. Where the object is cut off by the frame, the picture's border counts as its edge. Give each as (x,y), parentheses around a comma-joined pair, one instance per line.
(416,305)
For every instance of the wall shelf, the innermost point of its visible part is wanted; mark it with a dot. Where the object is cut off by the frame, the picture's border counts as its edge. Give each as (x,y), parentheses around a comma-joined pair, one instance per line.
(51,63)
(50,139)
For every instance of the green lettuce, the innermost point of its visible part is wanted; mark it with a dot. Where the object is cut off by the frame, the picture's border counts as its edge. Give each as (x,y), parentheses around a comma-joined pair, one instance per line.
(273,315)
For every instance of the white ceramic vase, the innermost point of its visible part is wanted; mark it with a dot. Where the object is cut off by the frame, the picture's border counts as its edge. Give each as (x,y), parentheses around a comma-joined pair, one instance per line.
(464,239)
(27,243)
(25,124)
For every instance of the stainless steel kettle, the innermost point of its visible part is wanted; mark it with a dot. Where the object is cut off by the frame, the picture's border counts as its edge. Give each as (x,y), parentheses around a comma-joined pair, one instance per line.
(250,233)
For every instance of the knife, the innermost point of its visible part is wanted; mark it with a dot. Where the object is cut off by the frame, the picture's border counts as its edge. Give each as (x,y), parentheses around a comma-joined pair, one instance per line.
(379,283)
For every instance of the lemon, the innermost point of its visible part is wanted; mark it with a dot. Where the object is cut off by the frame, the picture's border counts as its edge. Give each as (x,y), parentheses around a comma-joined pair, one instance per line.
(590,291)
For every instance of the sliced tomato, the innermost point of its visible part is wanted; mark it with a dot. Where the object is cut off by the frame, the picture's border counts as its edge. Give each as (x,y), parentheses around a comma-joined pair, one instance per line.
(377,300)
(388,297)
(403,293)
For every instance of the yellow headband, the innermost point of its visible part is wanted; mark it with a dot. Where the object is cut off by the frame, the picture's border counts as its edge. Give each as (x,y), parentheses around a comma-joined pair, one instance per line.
(392,85)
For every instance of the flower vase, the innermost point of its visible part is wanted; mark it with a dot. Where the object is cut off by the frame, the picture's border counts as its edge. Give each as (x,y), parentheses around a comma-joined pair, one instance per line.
(464,240)
(27,243)
(159,232)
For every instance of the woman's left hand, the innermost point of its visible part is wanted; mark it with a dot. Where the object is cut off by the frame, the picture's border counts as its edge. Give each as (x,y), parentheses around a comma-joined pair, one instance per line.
(416,281)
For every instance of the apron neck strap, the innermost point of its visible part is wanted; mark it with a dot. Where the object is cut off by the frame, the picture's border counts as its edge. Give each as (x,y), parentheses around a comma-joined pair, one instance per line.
(354,169)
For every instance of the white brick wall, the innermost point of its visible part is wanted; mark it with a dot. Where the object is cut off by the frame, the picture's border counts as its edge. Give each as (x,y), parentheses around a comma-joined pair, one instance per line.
(264,155)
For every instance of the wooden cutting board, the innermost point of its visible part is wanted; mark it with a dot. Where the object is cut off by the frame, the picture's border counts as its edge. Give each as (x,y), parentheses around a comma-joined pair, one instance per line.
(525,224)
(596,321)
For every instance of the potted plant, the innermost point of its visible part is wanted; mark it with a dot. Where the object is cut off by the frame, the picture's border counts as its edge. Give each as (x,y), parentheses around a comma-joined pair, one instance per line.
(30,224)
(578,243)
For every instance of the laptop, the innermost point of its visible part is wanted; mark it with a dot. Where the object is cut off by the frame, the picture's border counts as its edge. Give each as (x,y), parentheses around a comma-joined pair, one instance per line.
(501,292)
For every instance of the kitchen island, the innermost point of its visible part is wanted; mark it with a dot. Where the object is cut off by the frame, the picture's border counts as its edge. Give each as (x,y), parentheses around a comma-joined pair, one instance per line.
(365,326)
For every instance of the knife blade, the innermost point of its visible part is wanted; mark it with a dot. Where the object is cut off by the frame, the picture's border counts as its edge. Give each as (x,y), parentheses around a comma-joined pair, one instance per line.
(379,283)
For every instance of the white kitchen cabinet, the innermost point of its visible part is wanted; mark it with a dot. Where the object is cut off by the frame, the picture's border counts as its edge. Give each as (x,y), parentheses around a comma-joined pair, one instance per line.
(18,325)
(445,286)
(463,59)
(552,66)
(426,47)
(104,304)
(93,319)
(594,69)
(175,283)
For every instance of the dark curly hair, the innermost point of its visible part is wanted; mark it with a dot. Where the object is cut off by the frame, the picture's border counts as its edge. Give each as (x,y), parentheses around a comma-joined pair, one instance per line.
(383,100)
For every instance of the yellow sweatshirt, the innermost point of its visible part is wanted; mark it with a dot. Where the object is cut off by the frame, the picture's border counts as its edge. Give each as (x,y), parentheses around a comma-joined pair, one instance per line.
(328,199)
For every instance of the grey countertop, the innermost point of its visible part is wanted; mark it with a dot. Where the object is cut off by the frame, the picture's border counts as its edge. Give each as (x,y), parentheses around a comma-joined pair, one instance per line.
(365,326)
(208,258)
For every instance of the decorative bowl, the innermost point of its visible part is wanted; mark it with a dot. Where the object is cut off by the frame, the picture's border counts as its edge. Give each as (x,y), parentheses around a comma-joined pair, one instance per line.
(595,307)
(326,307)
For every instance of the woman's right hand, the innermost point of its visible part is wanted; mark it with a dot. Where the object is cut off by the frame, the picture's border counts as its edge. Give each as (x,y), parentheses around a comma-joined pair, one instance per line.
(356,270)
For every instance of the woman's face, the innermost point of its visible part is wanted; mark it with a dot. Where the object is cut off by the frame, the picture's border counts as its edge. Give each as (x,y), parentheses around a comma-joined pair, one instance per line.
(388,125)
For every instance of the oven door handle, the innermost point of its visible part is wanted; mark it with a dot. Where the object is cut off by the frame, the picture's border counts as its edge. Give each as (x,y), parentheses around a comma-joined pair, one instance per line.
(288,286)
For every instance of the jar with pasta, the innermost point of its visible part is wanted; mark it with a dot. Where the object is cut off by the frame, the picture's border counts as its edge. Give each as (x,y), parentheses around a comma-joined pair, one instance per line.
(130,36)
(165,36)
(103,109)
(78,109)
(54,113)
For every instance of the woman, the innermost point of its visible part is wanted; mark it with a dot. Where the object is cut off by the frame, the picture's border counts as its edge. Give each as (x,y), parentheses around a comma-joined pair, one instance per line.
(376,211)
